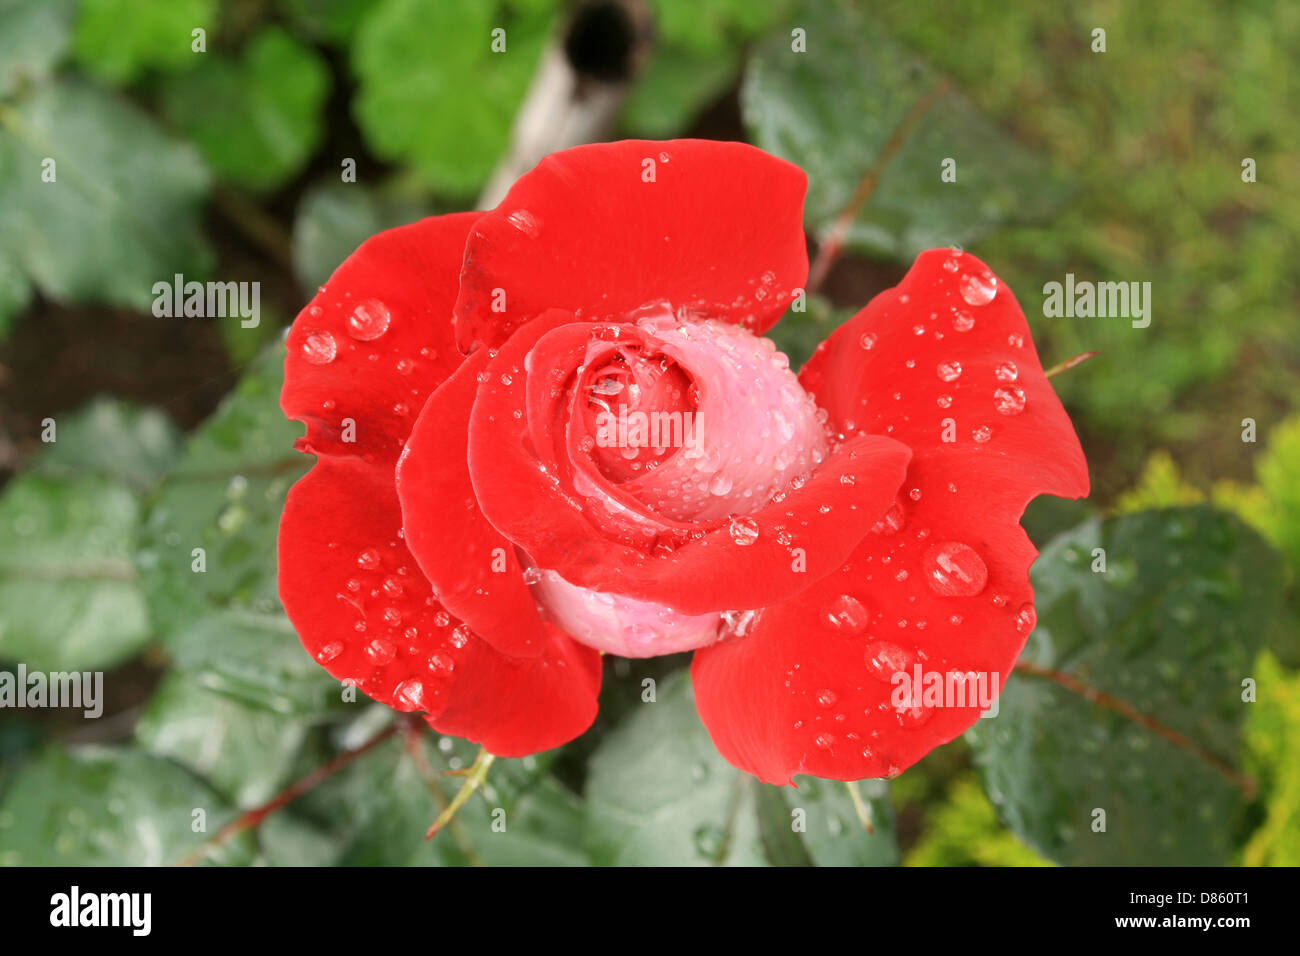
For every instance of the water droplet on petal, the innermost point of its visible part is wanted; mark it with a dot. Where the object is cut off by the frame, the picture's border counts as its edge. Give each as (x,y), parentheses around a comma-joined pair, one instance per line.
(826,697)
(1026,618)
(846,613)
(982,434)
(963,321)
(329,652)
(411,693)
(744,531)
(368,559)
(1009,400)
(949,371)
(867,341)
(381,650)
(719,486)
(1006,372)
(885,659)
(953,569)
(319,348)
(441,664)
(369,320)
(978,288)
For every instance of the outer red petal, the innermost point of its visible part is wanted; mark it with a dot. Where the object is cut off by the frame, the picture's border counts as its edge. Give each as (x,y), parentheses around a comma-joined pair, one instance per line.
(713,566)
(518,706)
(379,384)
(363,609)
(797,695)
(472,566)
(355,595)
(718,232)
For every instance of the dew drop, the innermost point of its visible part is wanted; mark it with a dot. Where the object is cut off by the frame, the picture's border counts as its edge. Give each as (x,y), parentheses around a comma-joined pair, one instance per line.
(982,434)
(381,650)
(949,371)
(441,664)
(978,289)
(953,569)
(319,348)
(369,320)
(885,659)
(368,559)
(329,652)
(1009,400)
(826,697)
(867,341)
(1006,372)
(847,614)
(719,486)
(744,531)
(963,321)
(892,522)
(411,693)
(1026,618)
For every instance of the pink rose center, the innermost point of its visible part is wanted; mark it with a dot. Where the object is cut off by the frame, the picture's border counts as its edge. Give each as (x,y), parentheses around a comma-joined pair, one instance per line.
(696,421)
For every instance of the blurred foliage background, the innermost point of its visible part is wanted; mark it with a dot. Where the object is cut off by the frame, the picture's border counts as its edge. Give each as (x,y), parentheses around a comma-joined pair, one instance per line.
(1122,165)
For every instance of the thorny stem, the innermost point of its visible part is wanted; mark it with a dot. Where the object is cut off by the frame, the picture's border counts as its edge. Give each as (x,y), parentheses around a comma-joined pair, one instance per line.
(414,735)
(253,818)
(830,248)
(861,806)
(1242,782)
(473,780)
(1069,363)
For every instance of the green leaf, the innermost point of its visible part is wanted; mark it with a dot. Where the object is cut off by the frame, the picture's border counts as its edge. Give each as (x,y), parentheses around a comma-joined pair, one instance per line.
(334,219)
(1273,750)
(675,86)
(255,659)
(256,120)
(15,293)
(114,439)
(225,497)
(334,20)
(433,94)
(1171,628)
(117,40)
(659,794)
(69,599)
(123,211)
(100,807)
(376,810)
(833,111)
(244,752)
(33,41)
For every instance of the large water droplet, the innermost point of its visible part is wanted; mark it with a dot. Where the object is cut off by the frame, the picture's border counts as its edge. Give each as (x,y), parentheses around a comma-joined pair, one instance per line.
(949,371)
(744,531)
(381,650)
(885,659)
(978,288)
(1026,618)
(1006,372)
(410,693)
(953,569)
(1009,400)
(329,652)
(846,613)
(369,320)
(319,348)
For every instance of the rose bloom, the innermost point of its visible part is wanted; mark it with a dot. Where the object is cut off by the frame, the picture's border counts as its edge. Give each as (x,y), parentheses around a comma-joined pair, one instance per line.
(555,429)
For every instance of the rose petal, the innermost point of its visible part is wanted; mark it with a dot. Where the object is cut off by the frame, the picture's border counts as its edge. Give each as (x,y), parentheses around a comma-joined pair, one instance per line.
(721,565)
(943,583)
(473,568)
(718,232)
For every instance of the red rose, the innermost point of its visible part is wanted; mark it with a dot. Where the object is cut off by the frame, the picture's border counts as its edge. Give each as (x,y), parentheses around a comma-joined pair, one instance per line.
(555,428)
